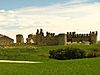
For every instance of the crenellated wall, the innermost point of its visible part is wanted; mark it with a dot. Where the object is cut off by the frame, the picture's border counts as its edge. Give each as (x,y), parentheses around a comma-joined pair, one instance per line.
(91,37)
(60,39)
(49,39)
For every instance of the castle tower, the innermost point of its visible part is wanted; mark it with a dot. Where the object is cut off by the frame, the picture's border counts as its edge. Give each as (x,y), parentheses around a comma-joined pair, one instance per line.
(19,39)
(31,39)
(93,37)
(39,37)
(62,39)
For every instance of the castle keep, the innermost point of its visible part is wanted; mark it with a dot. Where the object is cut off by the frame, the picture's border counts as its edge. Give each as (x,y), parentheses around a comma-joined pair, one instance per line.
(60,39)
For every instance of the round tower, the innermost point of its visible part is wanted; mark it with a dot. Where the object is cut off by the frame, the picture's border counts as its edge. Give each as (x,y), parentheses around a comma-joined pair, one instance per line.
(19,39)
(62,39)
(93,37)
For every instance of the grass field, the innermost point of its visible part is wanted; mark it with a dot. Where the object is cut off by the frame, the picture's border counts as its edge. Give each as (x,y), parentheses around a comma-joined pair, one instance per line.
(68,67)
(87,66)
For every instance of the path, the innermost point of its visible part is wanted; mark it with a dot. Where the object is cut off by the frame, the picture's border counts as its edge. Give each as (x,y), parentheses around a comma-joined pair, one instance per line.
(13,61)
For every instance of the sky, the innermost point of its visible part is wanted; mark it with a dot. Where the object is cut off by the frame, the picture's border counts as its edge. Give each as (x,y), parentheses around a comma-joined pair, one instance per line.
(58,16)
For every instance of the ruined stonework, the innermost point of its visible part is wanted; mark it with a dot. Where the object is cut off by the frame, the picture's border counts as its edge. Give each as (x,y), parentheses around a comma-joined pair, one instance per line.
(19,39)
(93,37)
(40,37)
(31,39)
(60,39)
(49,39)
(5,40)
(73,37)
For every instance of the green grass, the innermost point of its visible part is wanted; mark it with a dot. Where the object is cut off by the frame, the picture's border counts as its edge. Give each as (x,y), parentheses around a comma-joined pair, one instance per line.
(68,67)
(37,53)
(28,53)
(87,66)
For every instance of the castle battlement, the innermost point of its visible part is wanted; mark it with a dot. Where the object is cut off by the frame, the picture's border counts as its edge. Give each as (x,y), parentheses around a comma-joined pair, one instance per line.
(60,39)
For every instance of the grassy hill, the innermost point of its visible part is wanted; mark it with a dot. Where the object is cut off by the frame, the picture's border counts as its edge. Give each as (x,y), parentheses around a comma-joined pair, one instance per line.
(86,66)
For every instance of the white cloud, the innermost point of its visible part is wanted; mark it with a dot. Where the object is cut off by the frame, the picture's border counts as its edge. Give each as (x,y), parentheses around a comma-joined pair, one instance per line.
(57,18)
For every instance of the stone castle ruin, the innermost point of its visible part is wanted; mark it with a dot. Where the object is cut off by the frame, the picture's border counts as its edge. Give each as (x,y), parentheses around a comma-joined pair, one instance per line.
(91,37)
(50,38)
(60,39)
(5,40)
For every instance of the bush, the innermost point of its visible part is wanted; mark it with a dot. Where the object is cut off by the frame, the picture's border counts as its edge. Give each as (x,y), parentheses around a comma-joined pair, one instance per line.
(57,54)
(90,54)
(97,52)
(75,53)
(69,53)
(93,53)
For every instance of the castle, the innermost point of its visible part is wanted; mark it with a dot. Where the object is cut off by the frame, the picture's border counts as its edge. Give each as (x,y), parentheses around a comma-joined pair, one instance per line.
(50,38)
(60,39)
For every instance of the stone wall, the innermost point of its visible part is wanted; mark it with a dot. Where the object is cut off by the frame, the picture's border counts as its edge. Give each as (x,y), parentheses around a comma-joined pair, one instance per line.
(31,39)
(73,37)
(61,39)
(49,39)
(5,40)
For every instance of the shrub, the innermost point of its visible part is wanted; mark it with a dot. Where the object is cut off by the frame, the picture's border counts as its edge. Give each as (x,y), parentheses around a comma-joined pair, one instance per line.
(93,53)
(90,54)
(68,53)
(75,53)
(57,54)
(97,52)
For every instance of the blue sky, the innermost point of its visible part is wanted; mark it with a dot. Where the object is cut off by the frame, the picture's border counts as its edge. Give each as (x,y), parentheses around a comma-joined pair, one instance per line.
(58,16)
(14,4)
